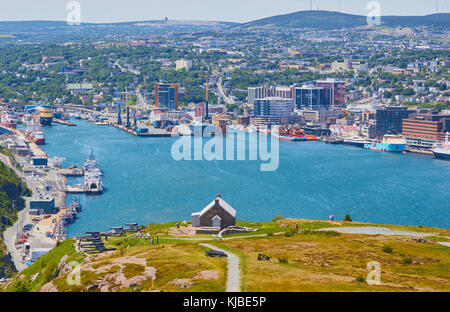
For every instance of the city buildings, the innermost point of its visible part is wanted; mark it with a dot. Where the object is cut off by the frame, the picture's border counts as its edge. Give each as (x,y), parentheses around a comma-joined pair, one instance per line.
(424,130)
(310,97)
(273,107)
(334,91)
(166,96)
(269,91)
(183,64)
(389,119)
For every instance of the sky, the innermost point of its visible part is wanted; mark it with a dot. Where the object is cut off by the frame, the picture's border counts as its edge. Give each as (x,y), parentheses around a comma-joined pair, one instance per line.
(100,11)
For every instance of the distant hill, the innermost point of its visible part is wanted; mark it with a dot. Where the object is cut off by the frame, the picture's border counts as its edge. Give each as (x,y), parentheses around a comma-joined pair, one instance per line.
(192,23)
(337,20)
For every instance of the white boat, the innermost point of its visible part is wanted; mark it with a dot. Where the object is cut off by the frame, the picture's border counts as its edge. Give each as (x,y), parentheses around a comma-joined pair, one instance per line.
(91,162)
(442,150)
(93,182)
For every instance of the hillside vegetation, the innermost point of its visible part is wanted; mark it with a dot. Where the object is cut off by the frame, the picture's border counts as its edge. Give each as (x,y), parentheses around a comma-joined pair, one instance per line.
(11,189)
(336,20)
(305,260)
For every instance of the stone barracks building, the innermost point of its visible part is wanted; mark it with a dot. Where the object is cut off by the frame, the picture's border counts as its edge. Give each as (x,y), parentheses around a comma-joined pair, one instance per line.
(218,214)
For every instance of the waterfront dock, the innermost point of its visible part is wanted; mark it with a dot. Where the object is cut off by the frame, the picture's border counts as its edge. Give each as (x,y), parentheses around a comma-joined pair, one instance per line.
(47,184)
(64,122)
(152,132)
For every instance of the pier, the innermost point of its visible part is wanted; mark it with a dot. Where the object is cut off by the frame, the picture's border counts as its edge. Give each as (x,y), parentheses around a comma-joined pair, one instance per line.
(64,122)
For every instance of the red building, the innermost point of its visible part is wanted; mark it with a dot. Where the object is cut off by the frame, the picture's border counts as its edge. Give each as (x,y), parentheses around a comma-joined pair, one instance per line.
(424,130)
(166,96)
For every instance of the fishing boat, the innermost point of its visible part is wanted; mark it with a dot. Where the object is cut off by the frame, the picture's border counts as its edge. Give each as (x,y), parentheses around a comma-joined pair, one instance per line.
(75,205)
(8,120)
(34,133)
(390,143)
(39,138)
(442,150)
(333,139)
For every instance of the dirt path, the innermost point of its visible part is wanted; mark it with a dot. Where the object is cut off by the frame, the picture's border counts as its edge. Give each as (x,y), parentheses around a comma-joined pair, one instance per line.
(234,272)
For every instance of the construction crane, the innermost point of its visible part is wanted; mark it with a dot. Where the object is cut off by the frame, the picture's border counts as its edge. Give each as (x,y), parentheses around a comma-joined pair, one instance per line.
(207,85)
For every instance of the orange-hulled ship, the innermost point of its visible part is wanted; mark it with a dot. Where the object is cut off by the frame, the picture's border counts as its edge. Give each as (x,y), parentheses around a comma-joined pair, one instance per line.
(292,134)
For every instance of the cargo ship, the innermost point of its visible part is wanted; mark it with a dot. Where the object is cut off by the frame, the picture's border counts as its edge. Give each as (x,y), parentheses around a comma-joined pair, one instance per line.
(45,116)
(442,150)
(292,134)
(390,143)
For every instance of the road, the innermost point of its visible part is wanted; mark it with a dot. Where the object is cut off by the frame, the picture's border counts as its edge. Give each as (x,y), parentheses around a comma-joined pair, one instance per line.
(141,101)
(36,240)
(234,272)
(222,93)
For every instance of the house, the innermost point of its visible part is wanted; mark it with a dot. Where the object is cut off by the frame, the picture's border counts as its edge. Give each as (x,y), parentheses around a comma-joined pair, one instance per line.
(217,214)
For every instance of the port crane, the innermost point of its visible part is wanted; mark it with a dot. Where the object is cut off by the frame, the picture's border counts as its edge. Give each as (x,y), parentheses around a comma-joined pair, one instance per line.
(206,96)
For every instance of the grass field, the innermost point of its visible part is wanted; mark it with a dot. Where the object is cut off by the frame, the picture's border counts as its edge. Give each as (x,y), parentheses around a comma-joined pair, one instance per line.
(307,260)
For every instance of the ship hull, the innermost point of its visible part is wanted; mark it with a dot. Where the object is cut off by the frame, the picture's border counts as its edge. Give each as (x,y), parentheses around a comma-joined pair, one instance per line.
(445,156)
(287,138)
(39,141)
(357,144)
(384,147)
(46,121)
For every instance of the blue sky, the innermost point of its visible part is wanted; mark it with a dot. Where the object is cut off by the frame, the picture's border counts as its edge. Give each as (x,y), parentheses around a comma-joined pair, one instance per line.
(219,10)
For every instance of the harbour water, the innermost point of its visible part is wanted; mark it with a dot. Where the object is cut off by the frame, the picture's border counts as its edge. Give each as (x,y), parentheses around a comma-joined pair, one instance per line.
(142,183)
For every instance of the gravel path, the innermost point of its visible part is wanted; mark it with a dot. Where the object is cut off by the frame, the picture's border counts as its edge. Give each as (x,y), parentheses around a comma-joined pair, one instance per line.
(374,230)
(234,272)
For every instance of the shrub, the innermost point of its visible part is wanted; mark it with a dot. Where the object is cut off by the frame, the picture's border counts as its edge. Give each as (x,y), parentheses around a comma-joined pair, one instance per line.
(407,260)
(360,279)
(283,260)
(347,218)
(277,218)
(290,232)
(387,248)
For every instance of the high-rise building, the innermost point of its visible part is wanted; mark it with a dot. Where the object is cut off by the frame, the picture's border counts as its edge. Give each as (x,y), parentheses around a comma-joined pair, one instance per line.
(269,91)
(310,97)
(183,64)
(273,106)
(389,119)
(166,96)
(334,91)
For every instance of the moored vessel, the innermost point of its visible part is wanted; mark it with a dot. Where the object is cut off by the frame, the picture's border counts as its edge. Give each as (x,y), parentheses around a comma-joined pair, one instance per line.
(356,141)
(442,150)
(390,143)
(292,134)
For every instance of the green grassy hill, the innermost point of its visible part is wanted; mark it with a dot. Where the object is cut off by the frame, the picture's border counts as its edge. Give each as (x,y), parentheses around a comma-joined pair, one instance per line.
(11,189)
(305,260)
(337,20)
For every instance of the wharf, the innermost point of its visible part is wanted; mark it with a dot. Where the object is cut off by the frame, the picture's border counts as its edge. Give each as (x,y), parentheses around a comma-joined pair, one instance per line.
(417,151)
(63,122)
(75,172)
(155,133)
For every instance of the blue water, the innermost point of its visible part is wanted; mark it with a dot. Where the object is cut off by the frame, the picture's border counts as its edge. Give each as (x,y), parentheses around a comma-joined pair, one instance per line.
(144,184)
